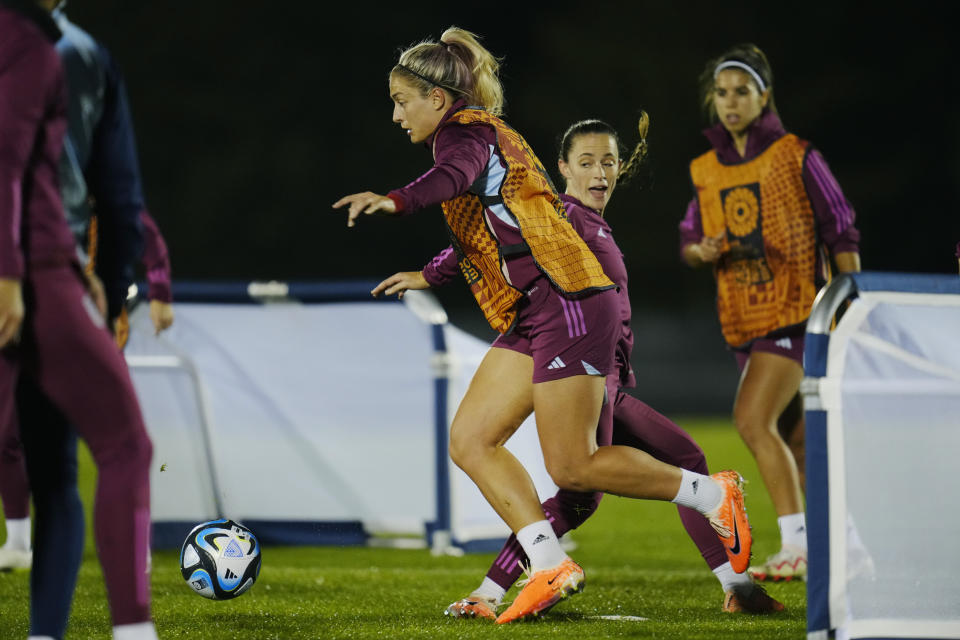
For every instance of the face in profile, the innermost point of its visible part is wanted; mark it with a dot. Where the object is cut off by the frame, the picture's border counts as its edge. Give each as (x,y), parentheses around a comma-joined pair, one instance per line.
(590,169)
(418,114)
(737,100)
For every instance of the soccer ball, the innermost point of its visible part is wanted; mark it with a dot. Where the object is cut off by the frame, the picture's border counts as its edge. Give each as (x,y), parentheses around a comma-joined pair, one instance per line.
(220,559)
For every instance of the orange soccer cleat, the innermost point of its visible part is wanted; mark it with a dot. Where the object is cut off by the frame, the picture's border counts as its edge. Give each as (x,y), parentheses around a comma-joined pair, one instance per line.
(729,520)
(545,589)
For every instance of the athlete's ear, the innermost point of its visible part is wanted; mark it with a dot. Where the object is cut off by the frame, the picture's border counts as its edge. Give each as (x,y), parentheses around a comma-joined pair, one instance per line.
(764,98)
(564,169)
(438,99)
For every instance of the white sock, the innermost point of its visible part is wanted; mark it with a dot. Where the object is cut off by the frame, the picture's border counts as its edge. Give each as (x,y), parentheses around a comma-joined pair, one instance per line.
(541,546)
(698,491)
(729,578)
(18,534)
(490,589)
(41,638)
(137,631)
(793,530)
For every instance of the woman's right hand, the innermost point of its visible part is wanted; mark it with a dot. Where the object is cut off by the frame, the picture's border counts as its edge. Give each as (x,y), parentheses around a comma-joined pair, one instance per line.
(400,282)
(711,248)
(366,202)
(707,251)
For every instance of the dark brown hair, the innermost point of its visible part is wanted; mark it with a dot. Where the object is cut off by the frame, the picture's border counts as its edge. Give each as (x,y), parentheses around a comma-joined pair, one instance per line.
(746,53)
(583,127)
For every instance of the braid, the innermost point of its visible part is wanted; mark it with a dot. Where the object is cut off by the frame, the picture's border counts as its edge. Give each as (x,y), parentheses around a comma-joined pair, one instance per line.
(632,165)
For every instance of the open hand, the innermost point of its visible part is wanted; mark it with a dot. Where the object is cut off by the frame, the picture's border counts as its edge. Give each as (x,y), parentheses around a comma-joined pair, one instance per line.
(366,202)
(400,282)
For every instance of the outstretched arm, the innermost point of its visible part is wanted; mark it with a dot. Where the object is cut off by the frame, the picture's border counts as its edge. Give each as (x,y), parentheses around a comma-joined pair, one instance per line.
(462,154)
(399,283)
(364,203)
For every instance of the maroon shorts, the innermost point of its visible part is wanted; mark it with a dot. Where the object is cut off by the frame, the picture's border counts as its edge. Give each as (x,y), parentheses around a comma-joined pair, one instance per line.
(788,346)
(565,337)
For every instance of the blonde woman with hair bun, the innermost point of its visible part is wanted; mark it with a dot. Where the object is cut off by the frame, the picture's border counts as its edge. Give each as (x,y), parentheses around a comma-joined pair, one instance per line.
(535,279)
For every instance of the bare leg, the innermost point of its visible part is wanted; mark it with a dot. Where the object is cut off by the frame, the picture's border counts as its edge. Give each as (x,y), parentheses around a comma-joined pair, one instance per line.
(567,411)
(768,384)
(497,402)
(791,426)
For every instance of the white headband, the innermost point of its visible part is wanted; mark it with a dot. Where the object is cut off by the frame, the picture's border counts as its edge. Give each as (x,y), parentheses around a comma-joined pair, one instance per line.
(741,65)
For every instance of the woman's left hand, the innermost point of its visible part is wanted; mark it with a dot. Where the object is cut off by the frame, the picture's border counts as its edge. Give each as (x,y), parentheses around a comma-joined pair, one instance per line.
(161,314)
(366,202)
(400,282)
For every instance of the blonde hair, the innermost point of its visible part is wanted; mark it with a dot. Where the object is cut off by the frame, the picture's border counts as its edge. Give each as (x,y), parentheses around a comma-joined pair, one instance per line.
(458,64)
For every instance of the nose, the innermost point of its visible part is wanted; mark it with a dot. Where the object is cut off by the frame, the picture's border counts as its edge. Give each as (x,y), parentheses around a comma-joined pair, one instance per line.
(396,113)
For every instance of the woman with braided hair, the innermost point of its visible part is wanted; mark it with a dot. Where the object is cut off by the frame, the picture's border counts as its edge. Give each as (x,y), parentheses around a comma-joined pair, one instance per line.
(766,207)
(536,280)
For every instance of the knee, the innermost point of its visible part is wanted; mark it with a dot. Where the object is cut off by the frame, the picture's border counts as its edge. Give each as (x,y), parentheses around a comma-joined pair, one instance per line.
(694,460)
(569,475)
(751,429)
(465,450)
(140,448)
(133,448)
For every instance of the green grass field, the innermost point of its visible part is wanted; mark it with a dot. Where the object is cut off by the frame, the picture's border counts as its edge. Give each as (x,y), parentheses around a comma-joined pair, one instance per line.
(638,562)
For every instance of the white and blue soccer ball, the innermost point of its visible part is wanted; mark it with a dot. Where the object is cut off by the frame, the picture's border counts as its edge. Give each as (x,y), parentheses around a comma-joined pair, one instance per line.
(220,559)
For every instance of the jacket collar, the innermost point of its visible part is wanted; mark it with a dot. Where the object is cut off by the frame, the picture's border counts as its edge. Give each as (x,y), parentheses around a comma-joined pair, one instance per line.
(569,199)
(32,11)
(456,106)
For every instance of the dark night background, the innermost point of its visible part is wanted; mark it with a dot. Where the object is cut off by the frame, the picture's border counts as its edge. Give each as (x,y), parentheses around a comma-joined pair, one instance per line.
(254,117)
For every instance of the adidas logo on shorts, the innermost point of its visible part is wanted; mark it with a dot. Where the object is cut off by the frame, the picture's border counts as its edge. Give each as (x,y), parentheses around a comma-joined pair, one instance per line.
(556,364)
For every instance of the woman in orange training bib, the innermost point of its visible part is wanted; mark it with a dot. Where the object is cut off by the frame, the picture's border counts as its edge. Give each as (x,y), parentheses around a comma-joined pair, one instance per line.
(766,207)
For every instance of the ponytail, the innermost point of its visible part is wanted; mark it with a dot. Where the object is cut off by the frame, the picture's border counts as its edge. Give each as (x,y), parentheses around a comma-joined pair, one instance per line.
(458,64)
(632,165)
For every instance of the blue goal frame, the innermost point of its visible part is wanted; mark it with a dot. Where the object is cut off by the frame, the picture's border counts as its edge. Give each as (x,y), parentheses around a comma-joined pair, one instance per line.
(828,302)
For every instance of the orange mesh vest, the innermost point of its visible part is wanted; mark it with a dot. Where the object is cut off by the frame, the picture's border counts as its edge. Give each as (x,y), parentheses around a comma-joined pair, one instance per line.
(766,280)
(528,195)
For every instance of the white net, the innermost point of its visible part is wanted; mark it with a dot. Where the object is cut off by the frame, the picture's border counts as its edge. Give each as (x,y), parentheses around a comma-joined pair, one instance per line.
(312,413)
(895,363)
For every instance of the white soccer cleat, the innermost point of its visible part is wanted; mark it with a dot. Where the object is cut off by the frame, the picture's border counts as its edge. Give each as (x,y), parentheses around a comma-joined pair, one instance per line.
(473,606)
(15,559)
(790,563)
